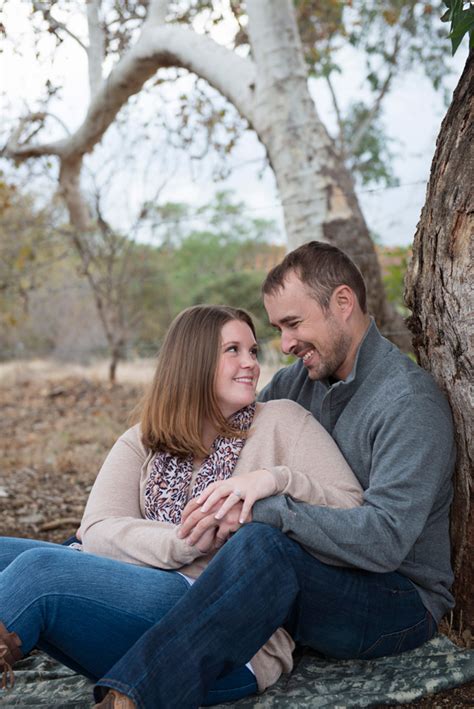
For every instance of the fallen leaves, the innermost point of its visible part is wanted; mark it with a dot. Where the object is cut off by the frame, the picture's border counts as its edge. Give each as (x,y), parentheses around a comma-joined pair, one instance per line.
(54,437)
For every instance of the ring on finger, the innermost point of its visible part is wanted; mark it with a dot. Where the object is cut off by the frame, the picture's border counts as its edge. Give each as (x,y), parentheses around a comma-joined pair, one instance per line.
(238,494)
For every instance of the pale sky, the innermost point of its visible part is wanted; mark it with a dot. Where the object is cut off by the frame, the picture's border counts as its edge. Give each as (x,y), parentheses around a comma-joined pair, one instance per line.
(413,114)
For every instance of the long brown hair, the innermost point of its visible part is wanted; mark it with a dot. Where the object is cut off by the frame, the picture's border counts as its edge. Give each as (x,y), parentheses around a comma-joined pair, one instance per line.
(182,394)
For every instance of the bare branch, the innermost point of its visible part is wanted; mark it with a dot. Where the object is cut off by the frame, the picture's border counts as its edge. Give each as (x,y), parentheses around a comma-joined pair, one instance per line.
(364,125)
(341,140)
(20,150)
(96,49)
(55,24)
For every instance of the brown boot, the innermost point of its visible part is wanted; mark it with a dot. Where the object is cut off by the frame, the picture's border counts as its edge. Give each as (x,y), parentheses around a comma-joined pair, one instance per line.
(9,654)
(116,700)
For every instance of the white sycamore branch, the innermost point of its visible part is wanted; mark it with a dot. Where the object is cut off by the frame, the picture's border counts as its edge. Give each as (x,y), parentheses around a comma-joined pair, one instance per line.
(157,47)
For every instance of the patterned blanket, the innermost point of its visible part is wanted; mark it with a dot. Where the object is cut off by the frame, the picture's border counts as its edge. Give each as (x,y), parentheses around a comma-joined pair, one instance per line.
(315,682)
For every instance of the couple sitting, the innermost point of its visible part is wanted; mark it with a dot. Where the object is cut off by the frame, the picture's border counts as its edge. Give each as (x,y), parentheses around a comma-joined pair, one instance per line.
(220,531)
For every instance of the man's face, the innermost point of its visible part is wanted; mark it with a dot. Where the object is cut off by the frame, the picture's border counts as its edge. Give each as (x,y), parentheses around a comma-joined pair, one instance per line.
(316,336)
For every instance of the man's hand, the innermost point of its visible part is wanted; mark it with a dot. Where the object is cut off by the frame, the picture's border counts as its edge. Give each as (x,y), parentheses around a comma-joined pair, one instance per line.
(195,524)
(207,542)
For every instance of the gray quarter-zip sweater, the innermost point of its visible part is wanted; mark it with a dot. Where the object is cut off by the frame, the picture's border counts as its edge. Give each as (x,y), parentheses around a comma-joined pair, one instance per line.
(394,427)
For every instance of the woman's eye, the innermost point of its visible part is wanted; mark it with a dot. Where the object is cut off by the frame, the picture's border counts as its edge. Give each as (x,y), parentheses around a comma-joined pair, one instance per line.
(232,348)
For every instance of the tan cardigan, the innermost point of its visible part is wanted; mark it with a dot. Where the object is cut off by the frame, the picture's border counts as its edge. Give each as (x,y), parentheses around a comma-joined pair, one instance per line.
(284,438)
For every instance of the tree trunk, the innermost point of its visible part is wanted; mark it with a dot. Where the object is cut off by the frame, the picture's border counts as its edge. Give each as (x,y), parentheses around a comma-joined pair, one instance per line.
(439,290)
(317,191)
(114,360)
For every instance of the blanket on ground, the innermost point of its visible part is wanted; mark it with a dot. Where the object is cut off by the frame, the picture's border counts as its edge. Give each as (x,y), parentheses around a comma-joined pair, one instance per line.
(315,682)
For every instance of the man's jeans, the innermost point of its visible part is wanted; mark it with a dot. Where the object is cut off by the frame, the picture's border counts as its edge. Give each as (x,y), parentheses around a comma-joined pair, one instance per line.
(258,581)
(87,611)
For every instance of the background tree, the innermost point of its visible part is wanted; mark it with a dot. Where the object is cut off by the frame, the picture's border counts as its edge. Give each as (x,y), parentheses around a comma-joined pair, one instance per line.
(33,259)
(439,292)
(268,87)
(217,254)
(213,253)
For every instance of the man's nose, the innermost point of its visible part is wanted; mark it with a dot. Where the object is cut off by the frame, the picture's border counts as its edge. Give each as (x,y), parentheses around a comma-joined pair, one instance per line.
(288,342)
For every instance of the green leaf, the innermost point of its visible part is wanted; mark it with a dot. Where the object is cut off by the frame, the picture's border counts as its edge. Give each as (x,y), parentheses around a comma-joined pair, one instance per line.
(463,23)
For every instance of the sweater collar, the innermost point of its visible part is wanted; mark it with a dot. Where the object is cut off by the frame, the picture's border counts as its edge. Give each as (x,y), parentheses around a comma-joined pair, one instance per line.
(372,347)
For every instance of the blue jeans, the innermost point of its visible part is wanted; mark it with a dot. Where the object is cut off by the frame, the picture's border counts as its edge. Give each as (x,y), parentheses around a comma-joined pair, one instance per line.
(87,611)
(258,581)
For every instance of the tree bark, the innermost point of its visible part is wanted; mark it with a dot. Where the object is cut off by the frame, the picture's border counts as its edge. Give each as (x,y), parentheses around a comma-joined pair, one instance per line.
(440,292)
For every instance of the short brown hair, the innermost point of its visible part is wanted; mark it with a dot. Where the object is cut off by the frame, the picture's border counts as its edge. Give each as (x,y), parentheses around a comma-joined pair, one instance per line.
(322,268)
(182,394)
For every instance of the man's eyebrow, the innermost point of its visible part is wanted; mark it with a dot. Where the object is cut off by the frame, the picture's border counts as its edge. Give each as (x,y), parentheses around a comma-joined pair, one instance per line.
(287,319)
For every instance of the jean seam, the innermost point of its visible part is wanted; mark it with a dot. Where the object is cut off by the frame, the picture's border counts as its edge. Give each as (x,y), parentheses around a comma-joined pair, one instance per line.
(403,633)
(80,597)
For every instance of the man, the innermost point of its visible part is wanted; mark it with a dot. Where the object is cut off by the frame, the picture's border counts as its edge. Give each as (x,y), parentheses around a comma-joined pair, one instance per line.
(360,583)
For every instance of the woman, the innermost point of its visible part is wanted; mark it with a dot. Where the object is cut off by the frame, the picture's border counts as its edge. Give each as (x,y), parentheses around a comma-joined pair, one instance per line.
(199,426)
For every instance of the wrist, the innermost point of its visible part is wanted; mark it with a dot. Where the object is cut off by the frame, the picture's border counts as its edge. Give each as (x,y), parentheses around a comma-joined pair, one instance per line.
(281,478)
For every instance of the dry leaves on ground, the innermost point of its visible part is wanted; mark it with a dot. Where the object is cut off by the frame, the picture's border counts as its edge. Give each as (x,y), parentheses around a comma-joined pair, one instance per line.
(54,437)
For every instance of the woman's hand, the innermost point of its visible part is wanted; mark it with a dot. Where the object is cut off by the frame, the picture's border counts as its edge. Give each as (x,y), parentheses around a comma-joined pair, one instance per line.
(247,488)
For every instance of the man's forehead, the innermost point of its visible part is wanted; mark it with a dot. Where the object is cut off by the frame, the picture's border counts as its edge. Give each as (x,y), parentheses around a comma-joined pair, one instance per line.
(289,302)
(291,286)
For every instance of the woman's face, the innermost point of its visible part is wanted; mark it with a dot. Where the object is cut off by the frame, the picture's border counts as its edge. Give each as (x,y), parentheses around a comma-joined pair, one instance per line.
(237,369)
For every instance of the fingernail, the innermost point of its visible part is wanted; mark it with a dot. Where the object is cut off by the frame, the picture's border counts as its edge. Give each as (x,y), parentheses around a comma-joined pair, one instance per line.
(241,520)
(218,515)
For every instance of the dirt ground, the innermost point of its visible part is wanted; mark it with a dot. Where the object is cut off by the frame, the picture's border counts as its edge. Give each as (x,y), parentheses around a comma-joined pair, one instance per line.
(56,427)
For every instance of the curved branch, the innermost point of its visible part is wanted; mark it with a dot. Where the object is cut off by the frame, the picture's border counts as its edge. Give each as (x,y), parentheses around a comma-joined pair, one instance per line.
(160,47)
(157,47)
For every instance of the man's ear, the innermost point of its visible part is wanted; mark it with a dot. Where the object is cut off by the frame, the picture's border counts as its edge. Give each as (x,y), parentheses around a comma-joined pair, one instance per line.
(343,301)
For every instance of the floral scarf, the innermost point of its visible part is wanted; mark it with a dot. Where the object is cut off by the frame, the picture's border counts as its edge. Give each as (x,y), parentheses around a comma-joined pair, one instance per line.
(166,491)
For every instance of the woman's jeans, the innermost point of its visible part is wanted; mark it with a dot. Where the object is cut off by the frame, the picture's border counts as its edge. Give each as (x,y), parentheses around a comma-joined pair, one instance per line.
(88,611)
(258,581)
